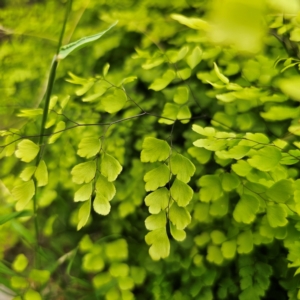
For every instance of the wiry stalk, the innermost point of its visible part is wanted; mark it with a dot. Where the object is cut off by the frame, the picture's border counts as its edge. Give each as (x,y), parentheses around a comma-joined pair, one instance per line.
(50,84)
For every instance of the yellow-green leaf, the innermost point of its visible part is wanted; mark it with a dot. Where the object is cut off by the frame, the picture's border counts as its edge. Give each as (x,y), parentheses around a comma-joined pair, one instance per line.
(157,177)
(179,216)
(276,215)
(84,172)
(281,191)
(110,167)
(265,159)
(181,192)
(41,174)
(245,242)
(84,192)
(20,263)
(27,173)
(178,235)
(156,221)
(154,150)
(184,114)
(32,295)
(158,200)
(27,150)
(229,249)
(105,188)
(181,95)
(214,255)
(182,167)
(23,193)
(57,132)
(161,83)
(246,209)
(195,57)
(220,75)
(84,214)
(114,102)
(211,188)
(83,42)
(194,23)
(101,205)
(89,147)
(160,244)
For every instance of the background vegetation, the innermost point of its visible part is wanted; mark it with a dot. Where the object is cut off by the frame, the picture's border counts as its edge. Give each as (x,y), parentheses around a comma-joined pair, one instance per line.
(166,164)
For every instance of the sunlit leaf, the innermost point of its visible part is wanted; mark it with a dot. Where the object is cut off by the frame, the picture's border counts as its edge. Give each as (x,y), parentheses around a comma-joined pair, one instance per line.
(220,75)
(154,150)
(114,102)
(41,174)
(156,221)
(184,114)
(89,147)
(27,150)
(105,69)
(23,193)
(83,193)
(101,205)
(20,263)
(161,83)
(169,113)
(83,42)
(195,57)
(194,23)
(27,173)
(181,95)
(265,159)
(32,295)
(181,192)
(157,177)
(179,216)
(84,172)
(57,132)
(160,244)
(84,214)
(289,86)
(105,188)
(182,167)
(158,200)
(110,167)
(178,235)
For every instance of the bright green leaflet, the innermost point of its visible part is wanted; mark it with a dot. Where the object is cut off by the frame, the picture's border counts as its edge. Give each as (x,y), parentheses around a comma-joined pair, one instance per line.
(83,42)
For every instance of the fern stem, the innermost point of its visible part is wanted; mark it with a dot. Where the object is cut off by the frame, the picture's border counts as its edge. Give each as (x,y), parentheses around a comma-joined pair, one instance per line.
(48,94)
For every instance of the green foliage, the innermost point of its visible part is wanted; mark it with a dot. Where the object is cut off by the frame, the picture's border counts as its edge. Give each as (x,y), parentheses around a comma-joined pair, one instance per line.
(162,162)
